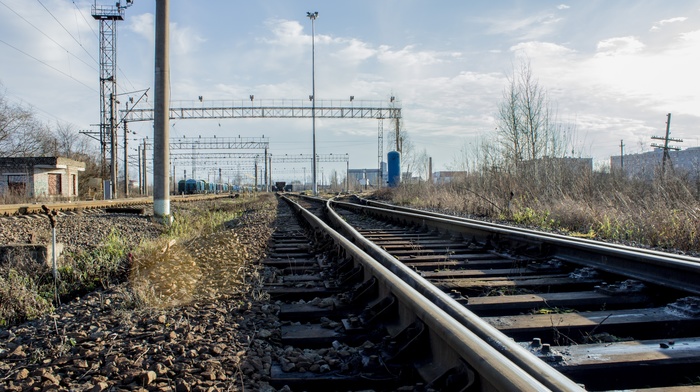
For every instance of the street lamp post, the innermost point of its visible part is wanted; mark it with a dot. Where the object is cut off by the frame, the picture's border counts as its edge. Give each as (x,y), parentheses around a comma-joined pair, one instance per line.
(313,16)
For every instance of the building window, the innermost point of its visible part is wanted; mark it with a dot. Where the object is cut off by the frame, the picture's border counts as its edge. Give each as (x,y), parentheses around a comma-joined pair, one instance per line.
(55,185)
(17,185)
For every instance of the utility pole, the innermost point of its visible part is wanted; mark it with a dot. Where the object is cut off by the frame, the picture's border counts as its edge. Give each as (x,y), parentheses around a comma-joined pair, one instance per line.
(313,16)
(622,154)
(161,131)
(145,167)
(126,156)
(140,173)
(380,147)
(265,177)
(430,170)
(665,146)
(113,143)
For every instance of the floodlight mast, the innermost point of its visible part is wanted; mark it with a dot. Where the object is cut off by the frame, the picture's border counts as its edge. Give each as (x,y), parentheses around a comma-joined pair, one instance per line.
(313,16)
(108,16)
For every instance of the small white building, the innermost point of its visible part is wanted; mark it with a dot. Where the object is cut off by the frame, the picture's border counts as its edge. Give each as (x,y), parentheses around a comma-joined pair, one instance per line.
(40,177)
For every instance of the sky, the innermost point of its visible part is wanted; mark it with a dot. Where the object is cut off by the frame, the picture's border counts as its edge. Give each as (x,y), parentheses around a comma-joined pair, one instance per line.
(612,69)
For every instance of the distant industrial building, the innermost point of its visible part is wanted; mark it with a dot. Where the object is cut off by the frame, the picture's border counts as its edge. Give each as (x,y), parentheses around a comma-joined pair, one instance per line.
(646,165)
(367,178)
(446,177)
(40,177)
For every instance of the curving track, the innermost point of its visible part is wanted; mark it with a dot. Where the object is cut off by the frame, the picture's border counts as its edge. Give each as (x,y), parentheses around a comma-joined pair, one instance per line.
(478,306)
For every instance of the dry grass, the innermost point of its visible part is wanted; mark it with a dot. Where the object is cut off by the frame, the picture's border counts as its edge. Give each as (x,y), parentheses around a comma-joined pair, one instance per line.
(661,214)
(202,258)
(197,257)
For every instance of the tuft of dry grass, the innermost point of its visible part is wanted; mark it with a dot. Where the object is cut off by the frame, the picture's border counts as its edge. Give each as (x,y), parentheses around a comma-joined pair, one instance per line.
(207,260)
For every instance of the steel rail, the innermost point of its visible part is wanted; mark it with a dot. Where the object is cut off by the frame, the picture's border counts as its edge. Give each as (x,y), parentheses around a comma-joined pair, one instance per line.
(524,230)
(492,365)
(35,208)
(521,357)
(665,269)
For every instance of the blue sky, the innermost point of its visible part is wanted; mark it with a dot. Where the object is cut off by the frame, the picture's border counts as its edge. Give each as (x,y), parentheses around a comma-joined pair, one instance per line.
(612,68)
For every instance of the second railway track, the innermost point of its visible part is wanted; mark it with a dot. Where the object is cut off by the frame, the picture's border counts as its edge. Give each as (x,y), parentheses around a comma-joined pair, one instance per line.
(440,303)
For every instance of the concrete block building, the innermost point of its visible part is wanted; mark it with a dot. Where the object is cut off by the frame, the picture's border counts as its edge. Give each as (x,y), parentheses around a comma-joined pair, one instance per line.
(40,177)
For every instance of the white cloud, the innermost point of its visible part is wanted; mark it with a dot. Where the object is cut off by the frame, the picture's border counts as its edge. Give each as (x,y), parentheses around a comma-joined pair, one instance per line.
(563,7)
(673,20)
(355,51)
(142,25)
(407,57)
(182,40)
(620,45)
(534,49)
(525,28)
(657,25)
(285,32)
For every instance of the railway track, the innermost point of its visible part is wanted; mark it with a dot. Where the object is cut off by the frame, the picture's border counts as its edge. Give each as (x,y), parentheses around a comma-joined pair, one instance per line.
(36,208)
(427,301)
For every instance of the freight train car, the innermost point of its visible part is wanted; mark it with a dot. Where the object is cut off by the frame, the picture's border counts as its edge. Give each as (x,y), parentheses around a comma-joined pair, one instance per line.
(191,187)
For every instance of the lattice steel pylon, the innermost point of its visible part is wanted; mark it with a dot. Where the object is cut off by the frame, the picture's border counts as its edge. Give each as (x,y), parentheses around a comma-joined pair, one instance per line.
(108,16)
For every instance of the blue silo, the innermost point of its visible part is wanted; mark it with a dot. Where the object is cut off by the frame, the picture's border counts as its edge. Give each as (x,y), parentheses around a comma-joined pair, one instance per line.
(394,158)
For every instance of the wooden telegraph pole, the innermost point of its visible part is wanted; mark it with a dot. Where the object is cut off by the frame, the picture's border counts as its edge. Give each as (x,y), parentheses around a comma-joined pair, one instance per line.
(665,146)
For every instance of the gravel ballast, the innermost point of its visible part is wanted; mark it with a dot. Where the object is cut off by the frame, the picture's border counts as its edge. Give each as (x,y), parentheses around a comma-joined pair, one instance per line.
(219,335)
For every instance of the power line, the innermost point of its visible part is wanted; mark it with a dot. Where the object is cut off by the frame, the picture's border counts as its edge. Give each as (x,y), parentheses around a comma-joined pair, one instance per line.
(96,36)
(46,64)
(86,21)
(69,33)
(47,36)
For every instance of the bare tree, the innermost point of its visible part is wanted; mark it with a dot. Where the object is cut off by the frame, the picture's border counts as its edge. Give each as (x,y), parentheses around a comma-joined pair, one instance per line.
(21,134)
(526,122)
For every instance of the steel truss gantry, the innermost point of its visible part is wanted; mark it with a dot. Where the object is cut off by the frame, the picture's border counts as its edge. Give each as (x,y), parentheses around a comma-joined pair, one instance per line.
(276,109)
(225,159)
(220,143)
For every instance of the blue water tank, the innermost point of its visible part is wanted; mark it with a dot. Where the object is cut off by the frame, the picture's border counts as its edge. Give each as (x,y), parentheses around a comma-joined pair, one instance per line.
(394,158)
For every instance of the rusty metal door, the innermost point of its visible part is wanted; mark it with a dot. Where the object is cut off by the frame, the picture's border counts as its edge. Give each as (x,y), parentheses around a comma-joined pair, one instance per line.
(55,184)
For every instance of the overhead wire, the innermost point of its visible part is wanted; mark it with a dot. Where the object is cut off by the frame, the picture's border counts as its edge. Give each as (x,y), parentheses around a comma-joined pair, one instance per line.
(47,36)
(79,43)
(97,36)
(86,21)
(69,33)
(46,64)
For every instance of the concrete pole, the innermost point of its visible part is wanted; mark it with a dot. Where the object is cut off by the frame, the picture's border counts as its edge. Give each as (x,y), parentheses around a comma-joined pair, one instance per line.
(126,157)
(430,170)
(113,143)
(145,167)
(266,184)
(140,173)
(161,153)
(313,17)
